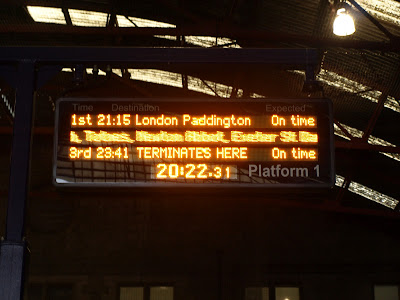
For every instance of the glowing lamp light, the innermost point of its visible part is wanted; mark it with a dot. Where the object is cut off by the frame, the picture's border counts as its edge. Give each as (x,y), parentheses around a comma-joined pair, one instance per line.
(344,23)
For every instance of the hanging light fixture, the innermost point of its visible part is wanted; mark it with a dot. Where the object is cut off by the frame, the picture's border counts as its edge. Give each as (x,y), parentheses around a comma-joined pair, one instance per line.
(344,23)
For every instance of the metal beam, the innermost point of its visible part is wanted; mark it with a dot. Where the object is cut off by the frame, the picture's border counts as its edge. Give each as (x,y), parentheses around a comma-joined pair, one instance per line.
(67,16)
(8,74)
(13,248)
(342,190)
(126,55)
(112,20)
(19,171)
(228,31)
(46,73)
(374,118)
(344,130)
(128,82)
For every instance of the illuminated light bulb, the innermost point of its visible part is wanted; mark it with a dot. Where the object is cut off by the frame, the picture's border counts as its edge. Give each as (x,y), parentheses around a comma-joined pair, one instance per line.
(344,23)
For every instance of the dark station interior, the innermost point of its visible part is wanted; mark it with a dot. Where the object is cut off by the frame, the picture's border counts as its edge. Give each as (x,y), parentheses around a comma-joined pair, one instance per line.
(200,243)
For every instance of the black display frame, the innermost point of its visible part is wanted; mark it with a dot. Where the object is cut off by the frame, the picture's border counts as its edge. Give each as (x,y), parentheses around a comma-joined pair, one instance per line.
(321,106)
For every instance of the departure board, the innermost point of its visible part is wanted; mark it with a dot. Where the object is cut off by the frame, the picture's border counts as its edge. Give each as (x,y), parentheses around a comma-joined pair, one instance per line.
(194,142)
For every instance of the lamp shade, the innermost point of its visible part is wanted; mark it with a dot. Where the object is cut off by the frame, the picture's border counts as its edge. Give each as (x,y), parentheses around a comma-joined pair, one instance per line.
(344,23)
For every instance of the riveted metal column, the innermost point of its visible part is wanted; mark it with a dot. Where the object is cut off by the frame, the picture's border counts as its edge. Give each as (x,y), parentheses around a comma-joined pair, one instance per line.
(13,250)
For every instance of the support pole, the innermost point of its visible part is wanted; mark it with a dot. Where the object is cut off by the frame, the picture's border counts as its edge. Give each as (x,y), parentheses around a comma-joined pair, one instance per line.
(13,250)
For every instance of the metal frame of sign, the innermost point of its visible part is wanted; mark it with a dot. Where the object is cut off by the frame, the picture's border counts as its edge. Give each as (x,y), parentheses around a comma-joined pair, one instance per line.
(311,183)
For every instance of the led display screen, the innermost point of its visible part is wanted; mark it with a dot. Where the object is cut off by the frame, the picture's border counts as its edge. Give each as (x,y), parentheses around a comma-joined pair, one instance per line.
(194,142)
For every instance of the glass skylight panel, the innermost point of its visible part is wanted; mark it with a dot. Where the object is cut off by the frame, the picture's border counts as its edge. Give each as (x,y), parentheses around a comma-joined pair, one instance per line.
(139,22)
(87,18)
(167,37)
(371,140)
(209,87)
(209,41)
(377,141)
(117,72)
(353,131)
(255,95)
(47,14)
(387,10)
(88,70)
(339,180)
(157,76)
(204,41)
(175,80)
(368,193)
(351,86)
(335,80)
(339,132)
(124,22)
(373,195)
(7,104)
(359,188)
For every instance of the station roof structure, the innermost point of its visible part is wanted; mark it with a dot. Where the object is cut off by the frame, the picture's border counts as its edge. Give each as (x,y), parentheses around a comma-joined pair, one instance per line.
(359,73)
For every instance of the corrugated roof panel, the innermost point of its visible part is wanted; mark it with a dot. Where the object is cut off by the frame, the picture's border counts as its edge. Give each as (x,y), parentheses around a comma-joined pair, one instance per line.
(368,193)
(88,18)
(289,16)
(47,14)
(371,68)
(387,10)
(348,85)
(371,140)
(127,21)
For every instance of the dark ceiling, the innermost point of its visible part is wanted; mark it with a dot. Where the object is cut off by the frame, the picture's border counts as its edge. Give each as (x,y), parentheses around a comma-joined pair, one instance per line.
(356,72)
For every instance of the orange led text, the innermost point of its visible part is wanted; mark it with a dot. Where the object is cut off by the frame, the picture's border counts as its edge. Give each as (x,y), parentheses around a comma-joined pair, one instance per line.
(75,153)
(203,136)
(79,120)
(231,152)
(161,136)
(161,120)
(104,136)
(215,120)
(174,152)
(299,153)
(303,121)
(253,137)
(294,120)
(74,138)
